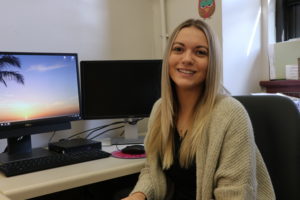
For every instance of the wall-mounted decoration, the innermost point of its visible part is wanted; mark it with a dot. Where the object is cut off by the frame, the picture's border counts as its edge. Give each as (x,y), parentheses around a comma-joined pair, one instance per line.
(206,8)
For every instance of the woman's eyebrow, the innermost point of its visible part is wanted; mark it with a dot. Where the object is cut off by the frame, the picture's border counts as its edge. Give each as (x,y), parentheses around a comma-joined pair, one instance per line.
(199,46)
(202,46)
(178,43)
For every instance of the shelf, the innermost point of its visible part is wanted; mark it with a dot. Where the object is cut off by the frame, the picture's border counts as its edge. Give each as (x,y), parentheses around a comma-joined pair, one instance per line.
(288,87)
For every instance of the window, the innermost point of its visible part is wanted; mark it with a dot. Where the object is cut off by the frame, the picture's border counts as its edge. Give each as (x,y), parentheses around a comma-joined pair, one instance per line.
(287,19)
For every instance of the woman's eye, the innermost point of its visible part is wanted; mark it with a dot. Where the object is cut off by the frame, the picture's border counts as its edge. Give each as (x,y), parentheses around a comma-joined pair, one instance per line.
(201,53)
(177,49)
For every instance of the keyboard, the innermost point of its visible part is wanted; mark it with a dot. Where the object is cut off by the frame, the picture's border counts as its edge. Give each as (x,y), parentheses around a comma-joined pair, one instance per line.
(51,161)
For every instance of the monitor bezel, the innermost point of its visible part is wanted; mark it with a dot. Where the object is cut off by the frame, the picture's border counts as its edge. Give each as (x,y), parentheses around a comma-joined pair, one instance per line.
(42,125)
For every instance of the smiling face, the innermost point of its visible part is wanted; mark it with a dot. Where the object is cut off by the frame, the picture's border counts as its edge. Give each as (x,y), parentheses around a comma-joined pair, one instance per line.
(188,59)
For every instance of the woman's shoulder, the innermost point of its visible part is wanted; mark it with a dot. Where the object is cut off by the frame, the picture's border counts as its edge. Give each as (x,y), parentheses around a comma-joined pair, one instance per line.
(228,104)
(229,112)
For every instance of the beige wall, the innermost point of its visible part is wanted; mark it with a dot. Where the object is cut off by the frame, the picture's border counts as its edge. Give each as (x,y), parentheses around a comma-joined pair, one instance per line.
(95,29)
(178,11)
(238,25)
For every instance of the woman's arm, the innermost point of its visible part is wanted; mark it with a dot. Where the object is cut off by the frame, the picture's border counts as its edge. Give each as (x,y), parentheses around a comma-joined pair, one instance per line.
(235,176)
(136,196)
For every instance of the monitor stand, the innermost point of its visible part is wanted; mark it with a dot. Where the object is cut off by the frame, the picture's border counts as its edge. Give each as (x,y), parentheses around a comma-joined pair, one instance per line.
(19,148)
(130,135)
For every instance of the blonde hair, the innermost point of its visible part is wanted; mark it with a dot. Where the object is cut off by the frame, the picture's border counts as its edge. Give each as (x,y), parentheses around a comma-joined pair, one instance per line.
(160,137)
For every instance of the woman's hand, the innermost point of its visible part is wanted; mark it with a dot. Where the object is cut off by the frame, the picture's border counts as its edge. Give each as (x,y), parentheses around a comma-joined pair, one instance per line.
(136,196)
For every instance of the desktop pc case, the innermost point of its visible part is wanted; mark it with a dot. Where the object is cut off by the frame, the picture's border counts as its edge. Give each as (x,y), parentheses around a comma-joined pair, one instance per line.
(78,144)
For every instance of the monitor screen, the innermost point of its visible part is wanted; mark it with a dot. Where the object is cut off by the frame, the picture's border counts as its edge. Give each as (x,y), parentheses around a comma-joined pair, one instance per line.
(119,88)
(39,92)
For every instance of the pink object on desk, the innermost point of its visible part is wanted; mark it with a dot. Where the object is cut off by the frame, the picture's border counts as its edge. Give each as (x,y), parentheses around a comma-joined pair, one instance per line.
(120,154)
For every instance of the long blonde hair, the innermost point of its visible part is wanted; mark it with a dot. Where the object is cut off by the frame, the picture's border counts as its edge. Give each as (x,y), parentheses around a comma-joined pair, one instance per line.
(161,126)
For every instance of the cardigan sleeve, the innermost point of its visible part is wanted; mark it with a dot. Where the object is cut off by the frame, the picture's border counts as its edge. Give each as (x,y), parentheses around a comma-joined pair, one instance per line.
(235,176)
(152,187)
(144,183)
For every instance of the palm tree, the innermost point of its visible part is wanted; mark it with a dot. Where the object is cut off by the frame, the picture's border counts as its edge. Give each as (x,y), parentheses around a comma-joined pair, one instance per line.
(11,75)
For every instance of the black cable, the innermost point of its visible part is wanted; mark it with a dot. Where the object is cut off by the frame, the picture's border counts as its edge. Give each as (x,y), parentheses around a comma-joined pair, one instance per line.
(99,134)
(122,133)
(92,129)
(81,132)
(104,126)
(133,121)
(54,132)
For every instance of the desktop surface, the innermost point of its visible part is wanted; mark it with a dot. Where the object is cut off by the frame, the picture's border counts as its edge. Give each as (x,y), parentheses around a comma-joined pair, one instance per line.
(62,178)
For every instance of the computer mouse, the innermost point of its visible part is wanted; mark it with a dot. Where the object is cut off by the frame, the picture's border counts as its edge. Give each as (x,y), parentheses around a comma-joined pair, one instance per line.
(134,149)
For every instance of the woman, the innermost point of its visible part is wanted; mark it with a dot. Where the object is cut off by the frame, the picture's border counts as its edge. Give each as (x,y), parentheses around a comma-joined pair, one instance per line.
(200,143)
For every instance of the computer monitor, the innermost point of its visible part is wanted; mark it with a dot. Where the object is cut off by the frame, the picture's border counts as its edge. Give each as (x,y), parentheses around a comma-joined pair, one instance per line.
(39,94)
(120,89)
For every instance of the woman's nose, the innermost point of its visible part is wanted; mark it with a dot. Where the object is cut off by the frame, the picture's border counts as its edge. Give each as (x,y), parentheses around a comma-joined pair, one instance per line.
(187,57)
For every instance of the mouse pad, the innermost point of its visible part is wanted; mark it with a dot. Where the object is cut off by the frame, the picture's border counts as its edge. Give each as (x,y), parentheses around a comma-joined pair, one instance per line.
(120,154)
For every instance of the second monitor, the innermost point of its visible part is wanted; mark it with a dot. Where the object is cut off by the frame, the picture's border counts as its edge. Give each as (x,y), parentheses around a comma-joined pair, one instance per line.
(120,89)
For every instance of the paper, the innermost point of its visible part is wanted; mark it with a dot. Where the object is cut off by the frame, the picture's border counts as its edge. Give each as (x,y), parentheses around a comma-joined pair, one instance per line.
(291,72)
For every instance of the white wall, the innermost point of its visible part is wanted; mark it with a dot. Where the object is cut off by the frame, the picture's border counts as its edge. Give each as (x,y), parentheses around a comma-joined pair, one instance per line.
(115,29)
(243,57)
(95,29)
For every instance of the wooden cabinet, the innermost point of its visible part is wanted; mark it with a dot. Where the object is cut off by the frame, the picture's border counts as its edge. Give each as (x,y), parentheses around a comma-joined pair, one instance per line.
(288,87)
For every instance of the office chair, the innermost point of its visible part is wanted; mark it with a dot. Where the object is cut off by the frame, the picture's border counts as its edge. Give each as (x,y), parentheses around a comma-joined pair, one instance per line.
(276,124)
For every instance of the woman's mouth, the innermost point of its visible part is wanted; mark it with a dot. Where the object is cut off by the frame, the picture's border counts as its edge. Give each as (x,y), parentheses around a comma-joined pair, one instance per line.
(186,71)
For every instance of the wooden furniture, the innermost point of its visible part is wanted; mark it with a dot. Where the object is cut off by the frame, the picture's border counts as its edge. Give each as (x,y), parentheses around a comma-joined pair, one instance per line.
(62,178)
(288,87)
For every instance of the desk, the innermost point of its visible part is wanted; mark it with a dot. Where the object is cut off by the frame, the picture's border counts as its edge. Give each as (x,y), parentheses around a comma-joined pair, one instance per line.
(62,178)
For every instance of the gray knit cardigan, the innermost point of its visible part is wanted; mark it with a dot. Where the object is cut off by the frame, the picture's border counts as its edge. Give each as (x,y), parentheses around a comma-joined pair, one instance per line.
(228,164)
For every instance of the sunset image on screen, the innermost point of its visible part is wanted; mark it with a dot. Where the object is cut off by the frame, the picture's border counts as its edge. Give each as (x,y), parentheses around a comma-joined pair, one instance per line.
(37,86)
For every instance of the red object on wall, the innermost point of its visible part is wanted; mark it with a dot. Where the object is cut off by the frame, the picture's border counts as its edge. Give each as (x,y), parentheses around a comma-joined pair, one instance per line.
(206,8)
